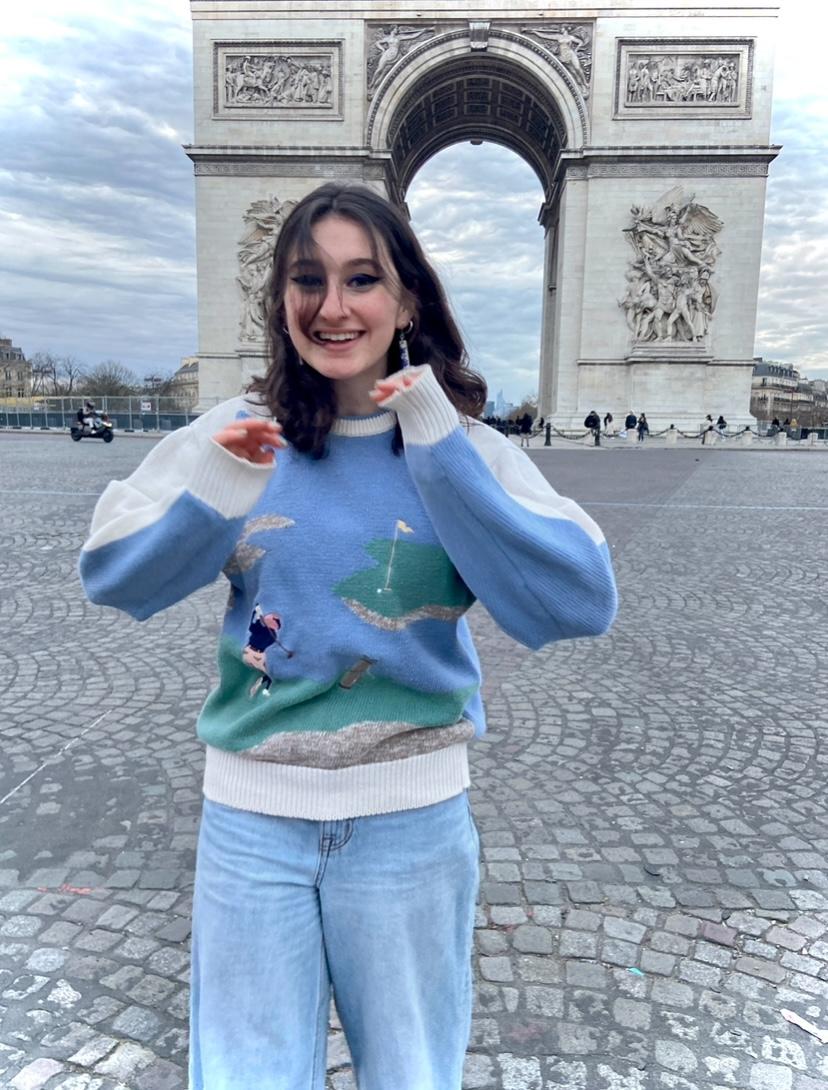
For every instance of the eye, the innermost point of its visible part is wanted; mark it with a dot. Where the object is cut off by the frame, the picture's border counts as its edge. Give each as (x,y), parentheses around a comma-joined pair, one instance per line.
(307,282)
(363,280)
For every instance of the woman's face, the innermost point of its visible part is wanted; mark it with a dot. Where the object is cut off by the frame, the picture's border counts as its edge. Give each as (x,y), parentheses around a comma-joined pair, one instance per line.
(349,336)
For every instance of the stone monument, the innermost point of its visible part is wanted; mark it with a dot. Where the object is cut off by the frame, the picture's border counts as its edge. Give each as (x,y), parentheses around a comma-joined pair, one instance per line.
(648,133)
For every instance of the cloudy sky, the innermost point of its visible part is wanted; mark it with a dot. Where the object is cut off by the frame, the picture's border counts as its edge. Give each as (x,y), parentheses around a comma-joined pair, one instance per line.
(97,227)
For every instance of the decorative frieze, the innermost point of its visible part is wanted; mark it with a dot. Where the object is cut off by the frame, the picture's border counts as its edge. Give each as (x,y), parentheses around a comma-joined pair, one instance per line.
(670,297)
(277,79)
(698,77)
(646,168)
(264,221)
(571,43)
(388,44)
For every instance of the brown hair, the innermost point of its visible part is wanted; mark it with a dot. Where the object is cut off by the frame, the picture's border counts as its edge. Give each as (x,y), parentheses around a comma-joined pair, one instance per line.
(298,396)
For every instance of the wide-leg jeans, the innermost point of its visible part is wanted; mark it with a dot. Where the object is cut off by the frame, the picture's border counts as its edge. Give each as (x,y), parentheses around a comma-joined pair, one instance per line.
(380,909)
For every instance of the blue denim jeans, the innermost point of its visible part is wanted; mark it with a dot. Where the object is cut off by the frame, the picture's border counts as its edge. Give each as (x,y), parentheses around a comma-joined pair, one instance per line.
(381,909)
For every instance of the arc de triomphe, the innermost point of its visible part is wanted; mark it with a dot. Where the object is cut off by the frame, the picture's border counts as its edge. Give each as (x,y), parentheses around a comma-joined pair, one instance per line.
(647,127)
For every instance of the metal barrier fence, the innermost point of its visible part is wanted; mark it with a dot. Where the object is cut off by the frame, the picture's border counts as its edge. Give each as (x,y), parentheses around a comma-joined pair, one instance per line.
(126,413)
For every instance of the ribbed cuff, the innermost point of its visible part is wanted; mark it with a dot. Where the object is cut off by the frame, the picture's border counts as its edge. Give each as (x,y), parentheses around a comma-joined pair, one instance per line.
(425,413)
(228,484)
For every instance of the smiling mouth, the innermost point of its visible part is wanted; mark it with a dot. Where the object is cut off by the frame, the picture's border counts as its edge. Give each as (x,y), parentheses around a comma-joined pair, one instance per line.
(336,338)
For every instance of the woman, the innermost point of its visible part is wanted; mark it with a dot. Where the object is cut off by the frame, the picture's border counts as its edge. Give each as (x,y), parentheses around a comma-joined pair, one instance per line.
(354,496)
(643,428)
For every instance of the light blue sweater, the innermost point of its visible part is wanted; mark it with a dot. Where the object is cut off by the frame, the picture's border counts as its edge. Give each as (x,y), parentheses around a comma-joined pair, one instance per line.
(348,681)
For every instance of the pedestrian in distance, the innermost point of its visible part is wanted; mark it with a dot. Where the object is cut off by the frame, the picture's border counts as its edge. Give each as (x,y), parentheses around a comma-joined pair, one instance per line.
(593,422)
(721,426)
(525,429)
(337,849)
(607,422)
(643,428)
(707,430)
(630,422)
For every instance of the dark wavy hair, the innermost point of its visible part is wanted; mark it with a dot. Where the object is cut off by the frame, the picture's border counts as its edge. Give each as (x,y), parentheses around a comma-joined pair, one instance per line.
(304,401)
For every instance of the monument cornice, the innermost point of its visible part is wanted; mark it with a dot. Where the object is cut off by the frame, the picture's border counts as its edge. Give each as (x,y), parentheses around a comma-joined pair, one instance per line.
(667,160)
(297,162)
(463,9)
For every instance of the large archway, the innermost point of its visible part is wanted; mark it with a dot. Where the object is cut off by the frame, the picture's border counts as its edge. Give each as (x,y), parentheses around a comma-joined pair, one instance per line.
(651,152)
(474,207)
(444,95)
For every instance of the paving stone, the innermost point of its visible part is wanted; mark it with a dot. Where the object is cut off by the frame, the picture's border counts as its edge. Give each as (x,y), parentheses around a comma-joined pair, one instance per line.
(36,1074)
(496,969)
(719,933)
(766,969)
(770,1077)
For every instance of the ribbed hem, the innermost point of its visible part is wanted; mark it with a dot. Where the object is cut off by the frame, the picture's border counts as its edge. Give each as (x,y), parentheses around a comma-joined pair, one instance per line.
(321,794)
(228,484)
(426,414)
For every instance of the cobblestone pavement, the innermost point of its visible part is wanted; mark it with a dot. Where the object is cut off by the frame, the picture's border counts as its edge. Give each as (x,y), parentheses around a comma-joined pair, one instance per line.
(652,805)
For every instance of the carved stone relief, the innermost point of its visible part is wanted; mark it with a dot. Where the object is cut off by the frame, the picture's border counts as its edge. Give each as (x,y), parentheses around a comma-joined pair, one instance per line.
(261,79)
(690,78)
(277,79)
(264,221)
(670,296)
(665,78)
(572,45)
(388,44)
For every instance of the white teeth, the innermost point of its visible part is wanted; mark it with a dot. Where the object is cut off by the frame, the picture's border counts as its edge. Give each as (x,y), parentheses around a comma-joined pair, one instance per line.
(337,336)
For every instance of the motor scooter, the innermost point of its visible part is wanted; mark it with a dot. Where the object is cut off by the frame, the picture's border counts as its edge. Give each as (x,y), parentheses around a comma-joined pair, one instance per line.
(93,427)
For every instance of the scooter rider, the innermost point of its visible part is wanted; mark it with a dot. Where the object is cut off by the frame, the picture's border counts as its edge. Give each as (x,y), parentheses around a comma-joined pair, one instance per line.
(87,414)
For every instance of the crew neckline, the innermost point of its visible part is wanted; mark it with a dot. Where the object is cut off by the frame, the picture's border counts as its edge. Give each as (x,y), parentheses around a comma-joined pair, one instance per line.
(361,426)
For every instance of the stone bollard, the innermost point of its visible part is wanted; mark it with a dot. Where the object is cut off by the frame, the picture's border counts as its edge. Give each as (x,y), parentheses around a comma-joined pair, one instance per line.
(813,438)
(781,439)
(671,438)
(588,440)
(747,438)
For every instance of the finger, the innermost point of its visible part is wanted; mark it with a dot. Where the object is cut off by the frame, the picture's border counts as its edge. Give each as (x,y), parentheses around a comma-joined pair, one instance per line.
(264,457)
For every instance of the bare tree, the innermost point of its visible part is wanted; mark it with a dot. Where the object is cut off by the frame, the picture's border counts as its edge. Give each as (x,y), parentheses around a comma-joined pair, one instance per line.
(71,373)
(109,379)
(44,373)
(158,385)
(529,404)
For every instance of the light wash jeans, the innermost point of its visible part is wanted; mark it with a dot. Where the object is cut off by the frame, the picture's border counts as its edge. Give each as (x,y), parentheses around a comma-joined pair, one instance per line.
(379,908)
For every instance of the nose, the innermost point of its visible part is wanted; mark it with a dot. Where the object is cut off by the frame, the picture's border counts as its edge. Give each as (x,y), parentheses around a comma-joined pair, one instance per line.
(333,305)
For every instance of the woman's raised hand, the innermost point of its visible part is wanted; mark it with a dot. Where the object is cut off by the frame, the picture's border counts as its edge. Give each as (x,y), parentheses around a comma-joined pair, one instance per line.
(393,384)
(252,439)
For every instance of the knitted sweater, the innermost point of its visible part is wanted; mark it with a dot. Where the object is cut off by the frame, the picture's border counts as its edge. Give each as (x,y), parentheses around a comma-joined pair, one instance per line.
(348,683)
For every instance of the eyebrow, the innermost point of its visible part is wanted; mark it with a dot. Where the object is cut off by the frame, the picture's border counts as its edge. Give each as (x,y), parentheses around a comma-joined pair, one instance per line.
(312,263)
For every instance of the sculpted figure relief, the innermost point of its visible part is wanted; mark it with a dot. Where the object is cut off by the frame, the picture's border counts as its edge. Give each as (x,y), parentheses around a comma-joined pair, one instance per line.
(670,296)
(389,44)
(268,79)
(264,220)
(573,46)
(667,79)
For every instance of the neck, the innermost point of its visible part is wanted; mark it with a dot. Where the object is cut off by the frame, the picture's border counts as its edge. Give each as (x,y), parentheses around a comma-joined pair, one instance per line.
(352,394)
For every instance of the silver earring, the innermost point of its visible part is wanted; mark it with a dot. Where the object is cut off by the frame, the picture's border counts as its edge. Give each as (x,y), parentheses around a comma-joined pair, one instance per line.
(405,359)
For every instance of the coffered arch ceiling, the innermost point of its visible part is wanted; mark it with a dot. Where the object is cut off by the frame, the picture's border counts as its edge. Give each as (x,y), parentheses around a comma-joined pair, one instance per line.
(477,98)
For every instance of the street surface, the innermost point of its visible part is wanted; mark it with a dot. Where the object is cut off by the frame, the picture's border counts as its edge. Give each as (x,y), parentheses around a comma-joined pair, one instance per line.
(652,805)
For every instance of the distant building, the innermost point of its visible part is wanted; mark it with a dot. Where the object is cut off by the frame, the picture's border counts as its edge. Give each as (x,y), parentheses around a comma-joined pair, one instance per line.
(184,385)
(779,391)
(15,371)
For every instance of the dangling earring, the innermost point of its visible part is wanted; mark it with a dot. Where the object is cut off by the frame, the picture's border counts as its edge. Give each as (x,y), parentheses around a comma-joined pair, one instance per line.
(405,359)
